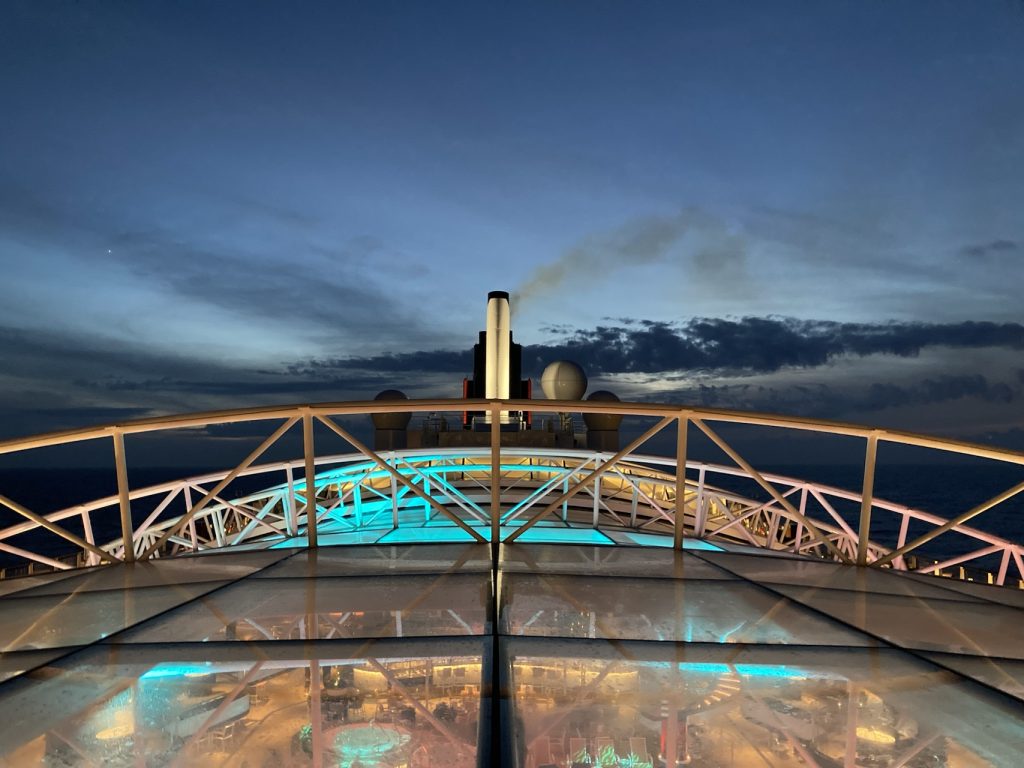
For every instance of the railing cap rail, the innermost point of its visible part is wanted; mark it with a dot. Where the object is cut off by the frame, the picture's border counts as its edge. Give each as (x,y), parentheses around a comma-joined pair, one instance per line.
(358,407)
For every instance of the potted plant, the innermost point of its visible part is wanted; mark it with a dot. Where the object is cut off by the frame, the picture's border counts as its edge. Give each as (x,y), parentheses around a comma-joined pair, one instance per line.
(633,760)
(607,758)
(581,759)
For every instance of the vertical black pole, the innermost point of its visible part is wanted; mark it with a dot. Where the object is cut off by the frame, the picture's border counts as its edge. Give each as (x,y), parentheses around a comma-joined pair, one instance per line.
(495,737)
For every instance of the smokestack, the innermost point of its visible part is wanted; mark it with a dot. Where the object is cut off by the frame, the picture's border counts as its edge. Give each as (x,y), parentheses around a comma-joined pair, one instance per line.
(497,364)
(497,344)
(504,333)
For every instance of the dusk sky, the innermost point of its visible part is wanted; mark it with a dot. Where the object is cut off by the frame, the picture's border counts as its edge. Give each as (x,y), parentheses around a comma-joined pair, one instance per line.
(814,208)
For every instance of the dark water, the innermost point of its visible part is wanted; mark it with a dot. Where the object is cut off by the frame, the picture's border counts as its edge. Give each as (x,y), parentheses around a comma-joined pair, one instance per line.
(945,490)
(47,490)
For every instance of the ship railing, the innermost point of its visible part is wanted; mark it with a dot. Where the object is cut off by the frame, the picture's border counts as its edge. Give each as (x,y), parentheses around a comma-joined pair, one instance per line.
(627,490)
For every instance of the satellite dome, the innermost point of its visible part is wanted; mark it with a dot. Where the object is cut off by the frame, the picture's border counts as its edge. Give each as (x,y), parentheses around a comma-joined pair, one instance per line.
(563,380)
(383,420)
(602,421)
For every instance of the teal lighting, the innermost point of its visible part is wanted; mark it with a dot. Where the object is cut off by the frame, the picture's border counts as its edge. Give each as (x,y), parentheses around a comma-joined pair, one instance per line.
(655,540)
(545,534)
(434,534)
(372,520)
(176,670)
(745,670)
(368,744)
(731,632)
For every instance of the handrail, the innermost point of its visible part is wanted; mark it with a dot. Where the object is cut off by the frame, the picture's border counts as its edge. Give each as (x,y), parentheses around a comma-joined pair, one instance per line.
(823,532)
(364,407)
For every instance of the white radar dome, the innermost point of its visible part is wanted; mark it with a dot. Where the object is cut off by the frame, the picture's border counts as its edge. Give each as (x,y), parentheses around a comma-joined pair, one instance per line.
(563,380)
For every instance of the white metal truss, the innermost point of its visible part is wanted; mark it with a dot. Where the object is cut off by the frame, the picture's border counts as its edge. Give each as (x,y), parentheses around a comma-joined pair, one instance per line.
(501,492)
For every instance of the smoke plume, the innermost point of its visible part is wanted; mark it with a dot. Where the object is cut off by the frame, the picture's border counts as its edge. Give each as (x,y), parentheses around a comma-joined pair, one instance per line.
(715,253)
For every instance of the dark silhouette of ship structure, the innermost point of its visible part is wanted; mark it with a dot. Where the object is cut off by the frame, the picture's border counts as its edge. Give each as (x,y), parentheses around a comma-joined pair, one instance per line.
(498,374)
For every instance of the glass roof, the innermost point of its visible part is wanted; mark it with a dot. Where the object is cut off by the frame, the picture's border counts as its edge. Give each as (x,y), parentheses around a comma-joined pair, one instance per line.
(530,655)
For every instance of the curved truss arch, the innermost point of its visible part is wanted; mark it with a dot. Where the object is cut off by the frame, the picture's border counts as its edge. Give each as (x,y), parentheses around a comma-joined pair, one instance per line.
(504,493)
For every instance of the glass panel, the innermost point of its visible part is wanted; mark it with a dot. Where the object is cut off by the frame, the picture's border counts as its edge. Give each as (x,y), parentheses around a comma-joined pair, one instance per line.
(1006,675)
(1005,595)
(607,561)
(978,628)
(815,573)
(555,533)
(53,621)
(280,609)
(369,560)
(14,664)
(434,533)
(735,546)
(659,540)
(590,703)
(166,572)
(654,609)
(381,705)
(328,539)
(20,583)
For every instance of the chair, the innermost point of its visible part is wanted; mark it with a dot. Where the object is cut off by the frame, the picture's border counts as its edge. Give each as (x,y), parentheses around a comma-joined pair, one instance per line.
(578,748)
(638,747)
(601,743)
(540,751)
(224,735)
(556,748)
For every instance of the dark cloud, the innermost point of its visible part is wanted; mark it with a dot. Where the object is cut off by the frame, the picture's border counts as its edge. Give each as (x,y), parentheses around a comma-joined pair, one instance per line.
(277,269)
(991,249)
(20,421)
(92,413)
(59,356)
(822,400)
(257,384)
(323,288)
(747,345)
(59,380)
(758,345)
(439,360)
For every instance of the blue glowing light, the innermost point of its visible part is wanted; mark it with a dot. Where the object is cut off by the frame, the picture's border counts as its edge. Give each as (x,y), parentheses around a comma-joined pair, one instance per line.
(176,670)
(433,533)
(544,534)
(745,670)
(655,540)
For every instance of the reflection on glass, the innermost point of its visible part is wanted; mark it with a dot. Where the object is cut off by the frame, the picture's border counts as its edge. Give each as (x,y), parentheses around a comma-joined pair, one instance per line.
(711,611)
(830,575)
(171,571)
(372,606)
(820,708)
(968,627)
(381,559)
(1005,674)
(388,712)
(648,562)
(55,621)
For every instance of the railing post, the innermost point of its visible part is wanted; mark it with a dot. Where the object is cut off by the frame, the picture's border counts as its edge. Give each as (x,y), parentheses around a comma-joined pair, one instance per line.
(682,426)
(307,445)
(495,474)
(121,467)
(701,505)
(866,499)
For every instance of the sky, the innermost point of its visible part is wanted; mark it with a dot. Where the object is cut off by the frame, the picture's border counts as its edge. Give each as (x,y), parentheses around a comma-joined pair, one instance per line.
(813,208)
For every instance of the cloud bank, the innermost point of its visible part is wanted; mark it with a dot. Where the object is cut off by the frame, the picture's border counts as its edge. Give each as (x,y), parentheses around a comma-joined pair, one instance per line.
(786,365)
(746,345)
